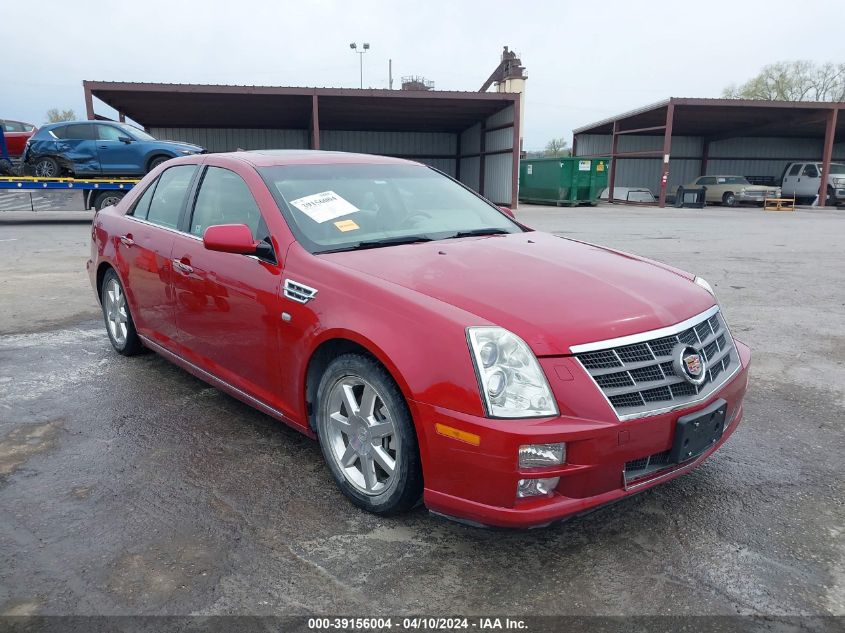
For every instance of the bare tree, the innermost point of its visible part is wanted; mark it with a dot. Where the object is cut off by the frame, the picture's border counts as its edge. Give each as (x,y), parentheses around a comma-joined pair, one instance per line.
(557,147)
(799,80)
(54,115)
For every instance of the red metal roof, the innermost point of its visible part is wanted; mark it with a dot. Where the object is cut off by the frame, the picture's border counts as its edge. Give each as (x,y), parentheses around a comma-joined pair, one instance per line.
(205,105)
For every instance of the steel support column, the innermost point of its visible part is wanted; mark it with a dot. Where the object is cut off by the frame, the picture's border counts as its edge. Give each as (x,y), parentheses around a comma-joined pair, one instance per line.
(611,177)
(482,141)
(829,137)
(705,156)
(89,103)
(667,149)
(315,122)
(517,152)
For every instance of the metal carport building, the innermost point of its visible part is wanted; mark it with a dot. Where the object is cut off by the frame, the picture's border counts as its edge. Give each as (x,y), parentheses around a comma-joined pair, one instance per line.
(670,143)
(472,136)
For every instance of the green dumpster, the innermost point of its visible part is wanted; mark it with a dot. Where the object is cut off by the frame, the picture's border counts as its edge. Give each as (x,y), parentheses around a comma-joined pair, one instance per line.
(562,180)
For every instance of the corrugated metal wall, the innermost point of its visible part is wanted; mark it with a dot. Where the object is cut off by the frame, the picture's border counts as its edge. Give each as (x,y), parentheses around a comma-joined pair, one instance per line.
(420,146)
(741,156)
(230,139)
(433,148)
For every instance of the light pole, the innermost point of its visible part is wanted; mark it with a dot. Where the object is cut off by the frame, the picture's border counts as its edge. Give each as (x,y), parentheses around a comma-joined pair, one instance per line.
(364,48)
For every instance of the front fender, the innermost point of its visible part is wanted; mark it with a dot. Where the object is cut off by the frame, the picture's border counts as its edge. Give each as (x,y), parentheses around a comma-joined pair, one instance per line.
(421,341)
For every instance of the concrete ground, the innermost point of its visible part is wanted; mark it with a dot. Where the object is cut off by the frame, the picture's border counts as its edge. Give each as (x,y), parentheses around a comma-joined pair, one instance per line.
(128,486)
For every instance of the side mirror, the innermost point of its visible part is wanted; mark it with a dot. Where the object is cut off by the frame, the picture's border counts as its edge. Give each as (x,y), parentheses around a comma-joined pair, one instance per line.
(230,238)
(124,139)
(508,212)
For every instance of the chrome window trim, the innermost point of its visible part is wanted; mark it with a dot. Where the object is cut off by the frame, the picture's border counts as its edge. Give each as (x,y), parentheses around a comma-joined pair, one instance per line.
(644,336)
(164,228)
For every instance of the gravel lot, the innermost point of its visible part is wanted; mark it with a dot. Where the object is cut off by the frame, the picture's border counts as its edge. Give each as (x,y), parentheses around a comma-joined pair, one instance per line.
(128,486)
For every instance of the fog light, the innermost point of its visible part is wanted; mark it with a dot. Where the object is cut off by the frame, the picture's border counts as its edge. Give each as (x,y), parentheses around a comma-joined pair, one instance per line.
(539,455)
(536,487)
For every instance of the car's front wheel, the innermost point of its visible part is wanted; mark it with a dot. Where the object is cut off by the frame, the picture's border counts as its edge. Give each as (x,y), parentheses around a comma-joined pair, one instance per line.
(47,167)
(729,199)
(118,318)
(367,436)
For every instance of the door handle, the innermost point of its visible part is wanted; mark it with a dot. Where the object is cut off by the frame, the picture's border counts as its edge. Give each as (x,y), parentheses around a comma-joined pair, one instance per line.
(104,146)
(127,240)
(182,266)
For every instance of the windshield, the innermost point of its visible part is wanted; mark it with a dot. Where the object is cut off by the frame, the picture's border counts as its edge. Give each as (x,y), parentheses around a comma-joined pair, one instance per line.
(732,180)
(137,134)
(342,207)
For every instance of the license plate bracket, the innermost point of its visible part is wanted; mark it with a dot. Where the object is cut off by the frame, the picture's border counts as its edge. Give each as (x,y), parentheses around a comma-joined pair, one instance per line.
(696,432)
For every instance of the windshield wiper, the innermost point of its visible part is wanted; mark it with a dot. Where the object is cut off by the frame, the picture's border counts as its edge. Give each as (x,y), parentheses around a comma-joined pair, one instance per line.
(474,232)
(389,241)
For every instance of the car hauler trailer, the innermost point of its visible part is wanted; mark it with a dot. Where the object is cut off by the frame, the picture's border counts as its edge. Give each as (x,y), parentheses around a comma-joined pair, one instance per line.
(96,192)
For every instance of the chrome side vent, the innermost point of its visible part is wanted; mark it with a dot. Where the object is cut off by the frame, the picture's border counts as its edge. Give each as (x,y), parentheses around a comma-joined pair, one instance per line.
(298,292)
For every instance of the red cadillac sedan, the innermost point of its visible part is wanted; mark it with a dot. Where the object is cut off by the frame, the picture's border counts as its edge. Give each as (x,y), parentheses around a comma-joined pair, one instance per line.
(434,346)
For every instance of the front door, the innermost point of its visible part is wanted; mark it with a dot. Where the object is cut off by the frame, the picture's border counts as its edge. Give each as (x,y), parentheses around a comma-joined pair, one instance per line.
(144,253)
(117,157)
(808,184)
(227,305)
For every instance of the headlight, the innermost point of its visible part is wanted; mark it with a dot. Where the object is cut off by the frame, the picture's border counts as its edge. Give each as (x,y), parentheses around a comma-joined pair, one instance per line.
(187,151)
(839,182)
(510,379)
(703,283)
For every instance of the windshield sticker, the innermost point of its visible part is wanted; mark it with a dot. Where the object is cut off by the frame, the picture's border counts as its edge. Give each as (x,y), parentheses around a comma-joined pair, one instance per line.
(346,225)
(325,206)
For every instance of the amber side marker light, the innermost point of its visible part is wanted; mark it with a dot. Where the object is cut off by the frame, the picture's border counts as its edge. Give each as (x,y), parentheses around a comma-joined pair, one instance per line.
(457,434)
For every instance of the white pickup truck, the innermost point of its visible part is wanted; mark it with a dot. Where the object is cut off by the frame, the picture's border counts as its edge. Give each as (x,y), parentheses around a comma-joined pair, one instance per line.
(802,180)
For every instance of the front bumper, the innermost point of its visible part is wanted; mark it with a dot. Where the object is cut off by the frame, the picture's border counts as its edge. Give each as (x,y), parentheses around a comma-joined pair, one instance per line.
(756,196)
(478,484)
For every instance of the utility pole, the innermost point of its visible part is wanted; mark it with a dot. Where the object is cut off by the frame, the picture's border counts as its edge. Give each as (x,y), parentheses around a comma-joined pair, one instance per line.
(390,74)
(364,48)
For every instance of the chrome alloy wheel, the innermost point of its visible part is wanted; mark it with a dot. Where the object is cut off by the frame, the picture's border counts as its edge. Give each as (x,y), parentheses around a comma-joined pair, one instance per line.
(361,435)
(114,304)
(45,169)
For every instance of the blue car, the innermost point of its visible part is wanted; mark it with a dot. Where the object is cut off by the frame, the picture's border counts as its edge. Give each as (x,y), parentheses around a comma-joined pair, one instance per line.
(98,148)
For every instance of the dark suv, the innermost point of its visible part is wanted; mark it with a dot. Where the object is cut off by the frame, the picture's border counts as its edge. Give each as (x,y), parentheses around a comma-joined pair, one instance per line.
(98,148)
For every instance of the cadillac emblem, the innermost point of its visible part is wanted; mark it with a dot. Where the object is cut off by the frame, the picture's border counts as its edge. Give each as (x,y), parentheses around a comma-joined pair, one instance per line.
(690,364)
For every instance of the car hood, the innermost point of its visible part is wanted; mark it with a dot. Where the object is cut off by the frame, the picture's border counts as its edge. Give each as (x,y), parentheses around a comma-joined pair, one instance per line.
(551,291)
(177,145)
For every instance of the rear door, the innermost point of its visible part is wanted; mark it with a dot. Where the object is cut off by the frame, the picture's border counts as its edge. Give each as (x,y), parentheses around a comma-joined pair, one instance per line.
(117,157)
(808,183)
(227,305)
(790,179)
(78,146)
(144,253)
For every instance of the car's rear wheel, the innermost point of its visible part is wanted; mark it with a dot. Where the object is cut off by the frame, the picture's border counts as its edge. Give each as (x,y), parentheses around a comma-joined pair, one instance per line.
(47,167)
(119,323)
(155,162)
(367,435)
(729,199)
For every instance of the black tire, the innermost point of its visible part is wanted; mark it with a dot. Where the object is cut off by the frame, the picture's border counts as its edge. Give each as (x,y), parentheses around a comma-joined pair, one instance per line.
(6,168)
(107,198)
(729,199)
(156,161)
(679,198)
(46,167)
(831,196)
(130,345)
(406,487)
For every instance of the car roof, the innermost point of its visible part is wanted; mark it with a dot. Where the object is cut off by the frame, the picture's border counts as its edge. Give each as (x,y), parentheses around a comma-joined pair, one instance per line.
(276,157)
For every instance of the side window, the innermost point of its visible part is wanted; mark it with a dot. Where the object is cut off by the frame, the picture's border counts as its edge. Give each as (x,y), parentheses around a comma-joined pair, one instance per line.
(59,132)
(810,171)
(108,133)
(81,131)
(707,180)
(224,198)
(142,205)
(169,196)
(796,168)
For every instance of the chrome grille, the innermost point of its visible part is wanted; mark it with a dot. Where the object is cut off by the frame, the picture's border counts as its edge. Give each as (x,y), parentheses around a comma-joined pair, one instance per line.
(638,376)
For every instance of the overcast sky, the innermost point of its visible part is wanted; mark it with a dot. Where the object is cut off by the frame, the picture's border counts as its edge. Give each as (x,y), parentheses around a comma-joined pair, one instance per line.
(585,60)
